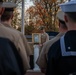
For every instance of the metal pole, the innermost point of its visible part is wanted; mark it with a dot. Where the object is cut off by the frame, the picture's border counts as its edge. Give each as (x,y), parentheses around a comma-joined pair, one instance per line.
(23,8)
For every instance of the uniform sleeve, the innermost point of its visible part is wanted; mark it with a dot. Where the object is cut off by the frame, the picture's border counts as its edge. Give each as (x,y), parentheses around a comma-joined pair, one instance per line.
(47,37)
(26,45)
(52,57)
(41,61)
(23,55)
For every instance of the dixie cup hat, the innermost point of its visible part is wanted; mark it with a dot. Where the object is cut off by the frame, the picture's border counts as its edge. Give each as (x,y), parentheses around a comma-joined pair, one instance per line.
(68,6)
(60,15)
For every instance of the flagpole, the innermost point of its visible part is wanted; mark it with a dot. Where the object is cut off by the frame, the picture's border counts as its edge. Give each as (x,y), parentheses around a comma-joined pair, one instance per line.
(22,26)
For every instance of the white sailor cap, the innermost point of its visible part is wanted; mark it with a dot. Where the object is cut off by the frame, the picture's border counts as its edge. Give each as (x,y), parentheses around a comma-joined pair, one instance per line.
(68,6)
(60,15)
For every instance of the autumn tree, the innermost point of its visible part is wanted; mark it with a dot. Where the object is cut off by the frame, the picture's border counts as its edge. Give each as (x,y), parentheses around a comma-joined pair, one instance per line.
(16,19)
(44,13)
(51,7)
(35,16)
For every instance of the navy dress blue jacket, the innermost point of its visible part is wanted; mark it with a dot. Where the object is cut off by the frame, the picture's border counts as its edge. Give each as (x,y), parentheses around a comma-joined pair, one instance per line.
(63,62)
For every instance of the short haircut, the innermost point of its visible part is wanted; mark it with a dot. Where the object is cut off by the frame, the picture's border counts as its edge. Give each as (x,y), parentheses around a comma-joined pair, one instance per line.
(72,15)
(7,14)
(63,24)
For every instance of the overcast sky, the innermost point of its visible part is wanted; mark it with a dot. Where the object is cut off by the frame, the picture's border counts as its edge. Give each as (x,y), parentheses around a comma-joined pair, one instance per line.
(28,3)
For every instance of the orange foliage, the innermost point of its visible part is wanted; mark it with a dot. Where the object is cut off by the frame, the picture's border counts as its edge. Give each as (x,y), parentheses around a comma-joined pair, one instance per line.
(44,13)
(38,11)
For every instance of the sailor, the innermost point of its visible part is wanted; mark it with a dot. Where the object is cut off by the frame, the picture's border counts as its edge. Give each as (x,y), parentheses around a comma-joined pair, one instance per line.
(62,54)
